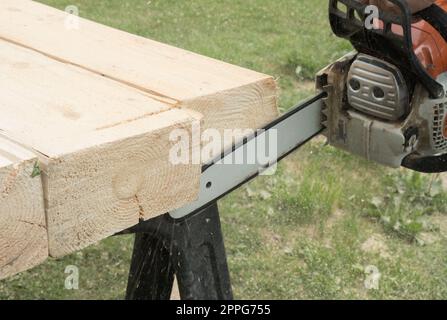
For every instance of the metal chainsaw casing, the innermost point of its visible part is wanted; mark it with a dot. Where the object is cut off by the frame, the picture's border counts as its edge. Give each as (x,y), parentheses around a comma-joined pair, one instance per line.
(429,116)
(387,101)
(385,128)
(377,88)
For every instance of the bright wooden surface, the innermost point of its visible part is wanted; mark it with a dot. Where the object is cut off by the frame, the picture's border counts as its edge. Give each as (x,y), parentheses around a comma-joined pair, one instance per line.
(97,105)
(227,95)
(103,146)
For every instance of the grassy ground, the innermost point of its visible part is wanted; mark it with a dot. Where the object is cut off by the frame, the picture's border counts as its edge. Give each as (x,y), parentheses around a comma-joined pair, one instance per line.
(312,230)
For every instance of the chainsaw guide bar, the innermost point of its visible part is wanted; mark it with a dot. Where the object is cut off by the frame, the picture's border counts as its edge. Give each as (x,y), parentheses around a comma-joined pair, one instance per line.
(278,139)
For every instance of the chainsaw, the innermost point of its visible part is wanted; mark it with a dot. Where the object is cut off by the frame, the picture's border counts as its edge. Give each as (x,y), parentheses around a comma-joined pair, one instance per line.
(386,101)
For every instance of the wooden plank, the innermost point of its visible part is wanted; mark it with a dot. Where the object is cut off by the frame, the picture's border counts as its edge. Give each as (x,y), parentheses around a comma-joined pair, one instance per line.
(97,105)
(23,235)
(228,96)
(103,147)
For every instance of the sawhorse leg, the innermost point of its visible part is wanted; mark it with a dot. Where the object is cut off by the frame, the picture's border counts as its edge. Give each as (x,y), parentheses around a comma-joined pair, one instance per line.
(192,248)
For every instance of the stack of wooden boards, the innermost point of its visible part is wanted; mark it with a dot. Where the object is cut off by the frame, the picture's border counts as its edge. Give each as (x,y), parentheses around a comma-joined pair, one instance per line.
(85,119)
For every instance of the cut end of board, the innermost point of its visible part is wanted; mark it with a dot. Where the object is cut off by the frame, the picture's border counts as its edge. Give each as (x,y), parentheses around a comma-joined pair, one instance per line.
(23,233)
(249,107)
(102,190)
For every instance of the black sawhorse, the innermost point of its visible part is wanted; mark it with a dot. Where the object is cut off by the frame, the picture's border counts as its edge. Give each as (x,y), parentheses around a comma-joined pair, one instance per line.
(191,248)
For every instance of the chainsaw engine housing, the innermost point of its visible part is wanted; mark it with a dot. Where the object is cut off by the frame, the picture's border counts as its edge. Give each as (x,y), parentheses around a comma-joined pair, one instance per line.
(387,100)
(368,111)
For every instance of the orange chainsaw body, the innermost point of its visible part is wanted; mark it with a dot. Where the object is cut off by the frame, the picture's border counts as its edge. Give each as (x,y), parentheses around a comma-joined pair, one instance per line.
(429,46)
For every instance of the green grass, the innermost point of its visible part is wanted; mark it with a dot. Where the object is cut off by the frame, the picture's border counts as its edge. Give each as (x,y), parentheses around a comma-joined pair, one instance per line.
(307,232)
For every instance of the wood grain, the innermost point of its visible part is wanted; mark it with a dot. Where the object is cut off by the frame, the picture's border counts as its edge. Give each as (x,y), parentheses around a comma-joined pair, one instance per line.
(228,96)
(23,234)
(97,106)
(103,147)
